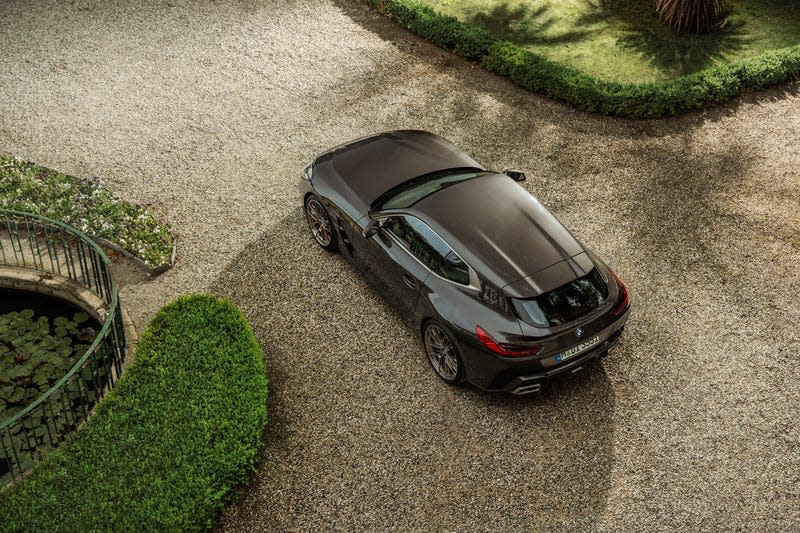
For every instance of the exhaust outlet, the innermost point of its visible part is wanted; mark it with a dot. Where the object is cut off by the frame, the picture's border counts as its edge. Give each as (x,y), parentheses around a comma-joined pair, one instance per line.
(527,389)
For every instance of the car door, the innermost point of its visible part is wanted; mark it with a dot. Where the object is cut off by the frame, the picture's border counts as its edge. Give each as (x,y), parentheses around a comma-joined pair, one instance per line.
(394,270)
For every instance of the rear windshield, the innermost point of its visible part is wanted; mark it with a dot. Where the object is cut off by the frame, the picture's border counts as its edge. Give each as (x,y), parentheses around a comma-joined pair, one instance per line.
(566,303)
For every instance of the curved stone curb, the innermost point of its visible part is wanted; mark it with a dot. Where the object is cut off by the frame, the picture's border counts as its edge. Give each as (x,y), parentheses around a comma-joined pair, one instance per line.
(151,271)
(30,280)
(131,337)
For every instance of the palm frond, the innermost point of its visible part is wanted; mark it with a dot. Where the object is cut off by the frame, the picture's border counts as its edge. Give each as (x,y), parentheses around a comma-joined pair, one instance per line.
(698,16)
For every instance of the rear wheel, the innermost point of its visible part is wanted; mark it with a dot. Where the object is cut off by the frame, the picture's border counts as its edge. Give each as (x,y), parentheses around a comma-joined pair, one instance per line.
(320,224)
(442,353)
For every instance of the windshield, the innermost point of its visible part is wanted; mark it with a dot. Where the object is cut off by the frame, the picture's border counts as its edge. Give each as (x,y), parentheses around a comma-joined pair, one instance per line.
(415,190)
(566,303)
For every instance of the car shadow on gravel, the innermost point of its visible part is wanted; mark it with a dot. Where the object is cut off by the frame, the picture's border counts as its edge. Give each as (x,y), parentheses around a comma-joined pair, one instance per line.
(362,435)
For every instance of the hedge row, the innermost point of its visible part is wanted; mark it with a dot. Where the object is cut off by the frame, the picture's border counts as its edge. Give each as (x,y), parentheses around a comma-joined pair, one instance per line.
(540,75)
(165,447)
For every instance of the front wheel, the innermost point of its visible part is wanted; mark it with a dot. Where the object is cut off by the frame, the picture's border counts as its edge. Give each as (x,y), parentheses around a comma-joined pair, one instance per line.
(320,224)
(442,353)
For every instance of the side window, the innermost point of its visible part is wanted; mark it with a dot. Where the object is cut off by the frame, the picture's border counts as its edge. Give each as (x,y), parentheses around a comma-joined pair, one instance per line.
(428,247)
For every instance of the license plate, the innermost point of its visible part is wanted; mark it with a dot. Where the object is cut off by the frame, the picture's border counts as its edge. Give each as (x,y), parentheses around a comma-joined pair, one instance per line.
(578,348)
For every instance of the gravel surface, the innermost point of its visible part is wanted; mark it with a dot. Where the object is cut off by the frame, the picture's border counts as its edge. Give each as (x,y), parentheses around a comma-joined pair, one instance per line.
(207,111)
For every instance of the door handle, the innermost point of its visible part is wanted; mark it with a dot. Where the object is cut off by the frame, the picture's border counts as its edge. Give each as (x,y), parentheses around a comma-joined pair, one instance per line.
(408,280)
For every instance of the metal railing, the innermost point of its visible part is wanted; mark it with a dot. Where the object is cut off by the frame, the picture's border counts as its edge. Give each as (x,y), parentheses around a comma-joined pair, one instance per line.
(53,248)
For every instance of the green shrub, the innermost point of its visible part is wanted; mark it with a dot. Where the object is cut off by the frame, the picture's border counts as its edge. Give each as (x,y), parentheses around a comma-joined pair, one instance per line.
(540,75)
(165,447)
(469,42)
(86,205)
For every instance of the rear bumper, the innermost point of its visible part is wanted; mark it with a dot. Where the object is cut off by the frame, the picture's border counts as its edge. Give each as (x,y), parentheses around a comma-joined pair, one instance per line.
(533,382)
(519,376)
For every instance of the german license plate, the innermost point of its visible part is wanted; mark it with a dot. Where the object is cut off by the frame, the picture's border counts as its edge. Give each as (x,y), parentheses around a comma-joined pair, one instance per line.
(578,348)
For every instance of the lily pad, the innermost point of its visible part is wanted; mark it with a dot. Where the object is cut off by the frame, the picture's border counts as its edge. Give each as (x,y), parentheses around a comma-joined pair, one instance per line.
(35,352)
(16,396)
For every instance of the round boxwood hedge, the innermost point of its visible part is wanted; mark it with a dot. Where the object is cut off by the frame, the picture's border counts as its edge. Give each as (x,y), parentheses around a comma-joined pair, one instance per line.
(538,74)
(165,447)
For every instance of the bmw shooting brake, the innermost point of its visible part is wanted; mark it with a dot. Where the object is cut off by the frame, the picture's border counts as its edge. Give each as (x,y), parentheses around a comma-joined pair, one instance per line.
(503,296)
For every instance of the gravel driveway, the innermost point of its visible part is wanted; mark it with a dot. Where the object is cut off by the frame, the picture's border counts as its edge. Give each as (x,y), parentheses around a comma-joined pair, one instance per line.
(207,111)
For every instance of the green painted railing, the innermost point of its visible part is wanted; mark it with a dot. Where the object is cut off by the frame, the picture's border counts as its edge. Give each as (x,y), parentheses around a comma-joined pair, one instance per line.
(53,248)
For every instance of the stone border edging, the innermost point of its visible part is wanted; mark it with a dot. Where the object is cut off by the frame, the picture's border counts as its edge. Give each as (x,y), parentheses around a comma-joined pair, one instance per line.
(151,271)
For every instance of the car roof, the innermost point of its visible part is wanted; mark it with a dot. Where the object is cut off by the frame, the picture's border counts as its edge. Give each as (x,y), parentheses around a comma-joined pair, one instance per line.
(356,174)
(505,234)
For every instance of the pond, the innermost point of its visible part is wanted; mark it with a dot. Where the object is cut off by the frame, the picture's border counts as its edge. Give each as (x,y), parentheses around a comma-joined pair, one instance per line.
(41,338)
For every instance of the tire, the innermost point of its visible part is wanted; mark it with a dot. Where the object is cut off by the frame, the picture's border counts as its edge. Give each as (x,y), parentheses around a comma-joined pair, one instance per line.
(442,352)
(320,224)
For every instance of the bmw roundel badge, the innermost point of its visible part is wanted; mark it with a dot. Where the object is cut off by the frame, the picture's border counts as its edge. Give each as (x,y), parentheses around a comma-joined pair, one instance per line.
(579,332)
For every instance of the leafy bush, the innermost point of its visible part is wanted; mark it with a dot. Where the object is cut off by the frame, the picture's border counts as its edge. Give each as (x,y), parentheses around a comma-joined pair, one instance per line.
(168,443)
(470,42)
(86,205)
(540,75)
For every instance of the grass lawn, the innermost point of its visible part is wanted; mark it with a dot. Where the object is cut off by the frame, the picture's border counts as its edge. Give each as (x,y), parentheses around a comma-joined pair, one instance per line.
(623,40)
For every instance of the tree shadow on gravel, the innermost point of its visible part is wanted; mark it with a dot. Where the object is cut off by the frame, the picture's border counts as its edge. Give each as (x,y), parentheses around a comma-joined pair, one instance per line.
(677,207)
(362,434)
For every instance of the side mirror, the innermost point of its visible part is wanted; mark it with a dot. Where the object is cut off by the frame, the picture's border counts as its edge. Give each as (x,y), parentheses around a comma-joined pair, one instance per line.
(371,229)
(516,175)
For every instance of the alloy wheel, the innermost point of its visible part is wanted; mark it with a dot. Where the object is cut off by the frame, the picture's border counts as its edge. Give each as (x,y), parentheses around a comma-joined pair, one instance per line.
(319,223)
(441,352)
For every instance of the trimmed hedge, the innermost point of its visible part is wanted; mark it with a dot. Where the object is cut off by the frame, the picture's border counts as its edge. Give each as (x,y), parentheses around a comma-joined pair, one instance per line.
(540,75)
(165,447)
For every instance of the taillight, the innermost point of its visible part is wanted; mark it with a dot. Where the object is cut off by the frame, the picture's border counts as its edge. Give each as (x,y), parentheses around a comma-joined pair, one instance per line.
(505,350)
(622,301)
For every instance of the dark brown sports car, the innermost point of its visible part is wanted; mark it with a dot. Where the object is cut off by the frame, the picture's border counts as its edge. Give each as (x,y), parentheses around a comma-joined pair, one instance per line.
(503,295)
